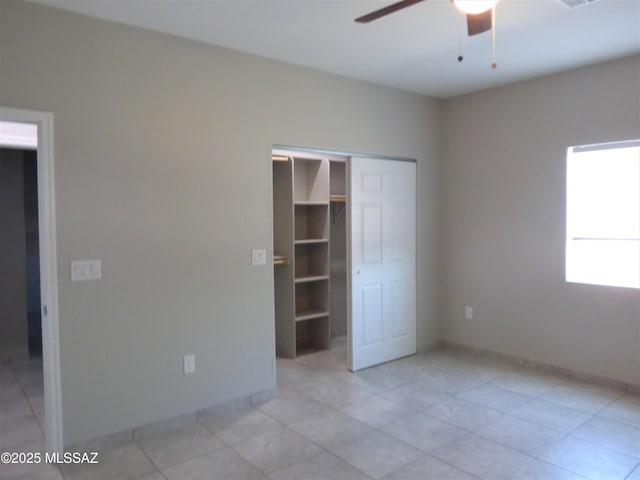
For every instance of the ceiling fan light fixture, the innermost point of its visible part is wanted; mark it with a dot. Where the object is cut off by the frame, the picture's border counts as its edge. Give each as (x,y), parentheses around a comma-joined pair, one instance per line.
(474,6)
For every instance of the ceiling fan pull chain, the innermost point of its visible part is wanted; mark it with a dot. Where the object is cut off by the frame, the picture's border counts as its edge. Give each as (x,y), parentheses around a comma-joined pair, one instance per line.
(494,63)
(460,35)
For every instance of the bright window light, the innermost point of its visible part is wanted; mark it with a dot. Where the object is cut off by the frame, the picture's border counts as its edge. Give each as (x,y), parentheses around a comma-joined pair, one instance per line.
(603,214)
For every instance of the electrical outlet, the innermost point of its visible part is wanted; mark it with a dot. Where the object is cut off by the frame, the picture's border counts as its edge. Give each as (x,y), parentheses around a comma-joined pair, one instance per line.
(468,313)
(189,364)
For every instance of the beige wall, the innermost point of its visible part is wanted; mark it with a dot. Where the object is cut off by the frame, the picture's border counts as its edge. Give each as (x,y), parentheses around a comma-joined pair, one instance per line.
(503,211)
(162,151)
(13,281)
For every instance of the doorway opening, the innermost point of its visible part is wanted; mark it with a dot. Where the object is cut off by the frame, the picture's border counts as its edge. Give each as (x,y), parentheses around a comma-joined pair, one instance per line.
(32,347)
(21,332)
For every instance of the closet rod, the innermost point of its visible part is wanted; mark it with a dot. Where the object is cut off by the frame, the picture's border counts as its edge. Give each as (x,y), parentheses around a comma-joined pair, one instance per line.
(278,260)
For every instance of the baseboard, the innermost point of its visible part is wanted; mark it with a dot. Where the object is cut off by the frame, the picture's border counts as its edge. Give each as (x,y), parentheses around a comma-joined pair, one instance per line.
(430,347)
(173,423)
(540,366)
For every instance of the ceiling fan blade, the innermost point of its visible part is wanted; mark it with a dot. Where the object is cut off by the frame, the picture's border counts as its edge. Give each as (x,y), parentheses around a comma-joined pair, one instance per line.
(386,10)
(479,22)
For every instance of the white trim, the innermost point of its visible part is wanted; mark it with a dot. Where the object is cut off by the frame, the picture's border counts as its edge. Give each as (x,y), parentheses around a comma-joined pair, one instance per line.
(19,135)
(332,155)
(605,146)
(48,271)
(308,154)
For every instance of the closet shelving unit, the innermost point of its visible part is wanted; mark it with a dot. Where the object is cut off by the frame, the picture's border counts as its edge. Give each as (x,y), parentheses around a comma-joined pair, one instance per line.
(301,245)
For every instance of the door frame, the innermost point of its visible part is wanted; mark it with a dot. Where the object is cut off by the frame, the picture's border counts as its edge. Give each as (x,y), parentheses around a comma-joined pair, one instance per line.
(48,270)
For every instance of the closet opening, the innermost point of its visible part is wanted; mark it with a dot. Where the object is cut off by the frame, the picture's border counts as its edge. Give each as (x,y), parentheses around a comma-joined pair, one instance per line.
(344,245)
(310,248)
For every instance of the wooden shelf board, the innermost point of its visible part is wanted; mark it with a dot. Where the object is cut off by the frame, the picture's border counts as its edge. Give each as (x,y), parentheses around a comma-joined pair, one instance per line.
(310,315)
(299,203)
(299,158)
(308,241)
(311,278)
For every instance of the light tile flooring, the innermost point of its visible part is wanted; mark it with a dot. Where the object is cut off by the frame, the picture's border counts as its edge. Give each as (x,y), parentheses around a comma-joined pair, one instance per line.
(441,415)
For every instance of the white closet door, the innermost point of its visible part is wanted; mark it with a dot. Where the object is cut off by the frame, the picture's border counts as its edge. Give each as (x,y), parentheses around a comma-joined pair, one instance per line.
(382,247)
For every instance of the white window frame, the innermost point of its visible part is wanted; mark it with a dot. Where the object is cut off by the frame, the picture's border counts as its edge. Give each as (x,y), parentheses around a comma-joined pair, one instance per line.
(597,253)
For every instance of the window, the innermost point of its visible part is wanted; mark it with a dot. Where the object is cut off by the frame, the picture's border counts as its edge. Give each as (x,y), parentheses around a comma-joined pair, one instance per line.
(603,214)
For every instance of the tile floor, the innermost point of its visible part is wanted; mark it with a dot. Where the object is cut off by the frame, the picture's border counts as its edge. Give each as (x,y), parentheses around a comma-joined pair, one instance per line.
(441,415)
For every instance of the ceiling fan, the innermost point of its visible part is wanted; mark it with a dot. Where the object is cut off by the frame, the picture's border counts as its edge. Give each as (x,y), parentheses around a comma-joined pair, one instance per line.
(478,13)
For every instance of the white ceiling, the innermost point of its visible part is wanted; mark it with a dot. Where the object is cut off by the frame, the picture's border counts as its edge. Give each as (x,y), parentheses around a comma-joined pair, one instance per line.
(415,49)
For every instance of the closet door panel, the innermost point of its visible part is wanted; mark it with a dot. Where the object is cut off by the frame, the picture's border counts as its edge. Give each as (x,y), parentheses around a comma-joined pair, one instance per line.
(382,227)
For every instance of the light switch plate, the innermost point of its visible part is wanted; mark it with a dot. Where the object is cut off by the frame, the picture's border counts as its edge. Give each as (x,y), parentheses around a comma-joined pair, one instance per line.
(189,364)
(84,270)
(259,256)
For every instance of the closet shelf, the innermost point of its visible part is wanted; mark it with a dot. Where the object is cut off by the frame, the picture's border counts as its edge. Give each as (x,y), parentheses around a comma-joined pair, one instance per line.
(308,241)
(311,278)
(309,204)
(302,235)
(311,315)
